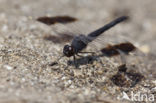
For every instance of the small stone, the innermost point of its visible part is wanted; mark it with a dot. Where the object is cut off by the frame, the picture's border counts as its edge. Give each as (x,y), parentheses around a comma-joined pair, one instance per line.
(63,78)
(4,28)
(8,67)
(100,72)
(145,48)
(23,79)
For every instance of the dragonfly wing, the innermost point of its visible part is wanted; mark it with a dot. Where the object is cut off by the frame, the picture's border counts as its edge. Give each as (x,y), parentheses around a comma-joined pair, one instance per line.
(105,40)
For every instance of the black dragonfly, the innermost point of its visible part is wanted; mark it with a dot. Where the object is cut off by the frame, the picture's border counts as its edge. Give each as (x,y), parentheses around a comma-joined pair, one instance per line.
(81,41)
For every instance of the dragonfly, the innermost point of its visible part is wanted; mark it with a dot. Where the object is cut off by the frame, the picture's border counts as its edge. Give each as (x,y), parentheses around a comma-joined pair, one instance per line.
(81,41)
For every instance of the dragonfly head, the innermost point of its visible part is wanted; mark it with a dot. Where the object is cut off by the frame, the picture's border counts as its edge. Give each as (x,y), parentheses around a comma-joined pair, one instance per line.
(68,50)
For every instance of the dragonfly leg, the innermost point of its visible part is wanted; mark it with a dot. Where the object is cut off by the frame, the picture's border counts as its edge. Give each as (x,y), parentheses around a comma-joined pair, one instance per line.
(79,55)
(75,63)
(88,52)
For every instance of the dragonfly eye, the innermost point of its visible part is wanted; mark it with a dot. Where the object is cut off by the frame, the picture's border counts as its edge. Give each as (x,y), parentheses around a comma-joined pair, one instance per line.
(68,51)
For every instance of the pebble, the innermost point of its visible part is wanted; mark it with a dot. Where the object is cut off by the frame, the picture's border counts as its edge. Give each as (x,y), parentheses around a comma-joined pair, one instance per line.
(145,48)
(4,28)
(8,67)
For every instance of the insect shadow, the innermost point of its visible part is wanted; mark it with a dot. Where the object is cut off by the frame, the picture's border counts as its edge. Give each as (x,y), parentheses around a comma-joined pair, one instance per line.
(56,19)
(83,60)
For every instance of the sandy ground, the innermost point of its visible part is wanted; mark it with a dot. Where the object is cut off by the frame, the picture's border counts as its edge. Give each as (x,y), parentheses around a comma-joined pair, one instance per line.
(27,77)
